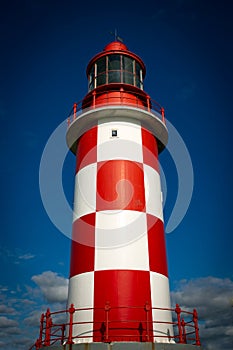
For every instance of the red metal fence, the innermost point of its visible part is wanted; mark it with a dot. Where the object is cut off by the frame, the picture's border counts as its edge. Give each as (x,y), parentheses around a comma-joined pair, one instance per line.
(52,331)
(116,97)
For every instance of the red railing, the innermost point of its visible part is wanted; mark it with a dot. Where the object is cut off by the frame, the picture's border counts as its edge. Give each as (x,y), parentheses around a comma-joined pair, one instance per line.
(52,331)
(123,98)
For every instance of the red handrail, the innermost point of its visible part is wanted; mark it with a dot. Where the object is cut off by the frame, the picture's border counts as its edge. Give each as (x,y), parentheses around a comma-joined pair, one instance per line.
(129,100)
(186,329)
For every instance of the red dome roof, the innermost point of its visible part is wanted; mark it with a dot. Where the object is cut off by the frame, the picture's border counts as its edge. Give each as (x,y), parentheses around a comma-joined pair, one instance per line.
(119,48)
(116,45)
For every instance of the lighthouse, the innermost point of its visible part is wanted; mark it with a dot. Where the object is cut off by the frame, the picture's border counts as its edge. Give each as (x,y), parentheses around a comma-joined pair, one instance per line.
(118,294)
(118,253)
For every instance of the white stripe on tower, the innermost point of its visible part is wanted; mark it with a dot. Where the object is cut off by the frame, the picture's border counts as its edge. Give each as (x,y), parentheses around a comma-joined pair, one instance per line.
(81,291)
(85,195)
(153,192)
(126,145)
(116,248)
(161,299)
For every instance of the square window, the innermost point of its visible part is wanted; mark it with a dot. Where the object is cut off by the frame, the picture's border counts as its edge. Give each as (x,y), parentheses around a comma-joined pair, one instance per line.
(114,133)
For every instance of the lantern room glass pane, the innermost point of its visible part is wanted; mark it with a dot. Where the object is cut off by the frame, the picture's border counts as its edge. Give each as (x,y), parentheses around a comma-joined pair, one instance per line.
(114,77)
(114,62)
(139,83)
(101,65)
(101,71)
(128,78)
(91,78)
(127,64)
(101,79)
(138,68)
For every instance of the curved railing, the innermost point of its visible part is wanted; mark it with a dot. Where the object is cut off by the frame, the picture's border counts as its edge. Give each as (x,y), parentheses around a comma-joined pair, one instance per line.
(52,331)
(122,98)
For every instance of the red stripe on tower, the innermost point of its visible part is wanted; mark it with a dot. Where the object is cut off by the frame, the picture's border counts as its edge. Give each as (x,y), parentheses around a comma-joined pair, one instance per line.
(86,149)
(83,245)
(120,185)
(125,324)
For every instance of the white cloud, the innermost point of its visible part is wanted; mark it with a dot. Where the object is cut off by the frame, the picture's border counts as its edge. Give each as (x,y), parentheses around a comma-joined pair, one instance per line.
(213,299)
(21,304)
(4,309)
(53,287)
(21,310)
(27,256)
(16,256)
(7,331)
(7,322)
(33,319)
(20,343)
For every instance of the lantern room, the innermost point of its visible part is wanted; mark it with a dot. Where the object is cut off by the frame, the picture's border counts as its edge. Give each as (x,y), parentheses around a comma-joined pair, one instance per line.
(116,64)
(115,75)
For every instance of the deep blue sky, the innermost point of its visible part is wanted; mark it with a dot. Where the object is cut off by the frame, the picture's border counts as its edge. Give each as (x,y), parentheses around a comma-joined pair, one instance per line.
(45,47)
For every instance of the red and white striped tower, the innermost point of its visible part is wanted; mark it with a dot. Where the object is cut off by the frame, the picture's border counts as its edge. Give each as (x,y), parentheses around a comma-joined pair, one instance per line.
(118,254)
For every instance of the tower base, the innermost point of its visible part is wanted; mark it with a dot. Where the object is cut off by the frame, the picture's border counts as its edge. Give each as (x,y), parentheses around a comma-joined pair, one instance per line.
(126,346)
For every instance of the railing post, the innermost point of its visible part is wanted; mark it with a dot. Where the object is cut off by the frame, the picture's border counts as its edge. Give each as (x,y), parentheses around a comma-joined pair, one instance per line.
(107,309)
(39,340)
(47,328)
(178,312)
(71,312)
(38,344)
(163,114)
(102,332)
(75,111)
(148,102)
(195,321)
(140,329)
(147,309)
(183,331)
